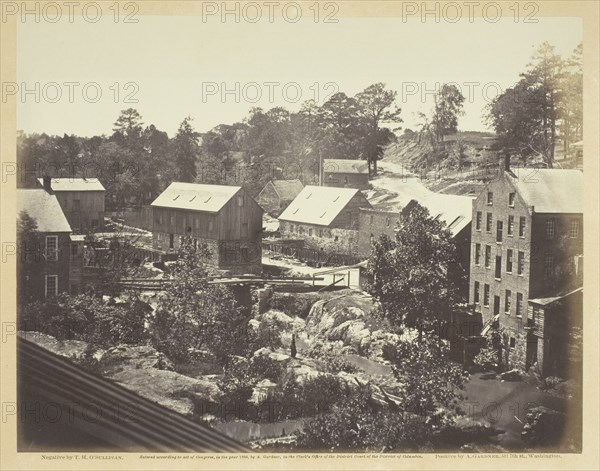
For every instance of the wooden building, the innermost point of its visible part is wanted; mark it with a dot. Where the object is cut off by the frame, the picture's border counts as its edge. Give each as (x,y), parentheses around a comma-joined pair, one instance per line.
(81,199)
(326,218)
(50,256)
(278,194)
(527,239)
(346,173)
(225,218)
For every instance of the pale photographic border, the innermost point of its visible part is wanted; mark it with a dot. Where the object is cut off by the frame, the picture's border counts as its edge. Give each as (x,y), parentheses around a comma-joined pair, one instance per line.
(588,459)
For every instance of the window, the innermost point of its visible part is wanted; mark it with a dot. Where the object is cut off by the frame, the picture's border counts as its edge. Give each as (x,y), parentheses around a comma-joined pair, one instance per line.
(320,232)
(498,231)
(371,219)
(488,256)
(478,221)
(210,226)
(172,219)
(488,222)
(490,198)
(477,254)
(240,200)
(520,262)
(574,229)
(548,264)
(244,229)
(51,248)
(507,301)
(74,250)
(498,273)
(511,225)
(51,285)
(550,229)
(310,232)
(476,292)
(522,226)
(387,222)
(197,223)
(496,305)
(509,261)
(486,294)
(76,205)
(519,311)
(511,200)
(291,228)
(513,342)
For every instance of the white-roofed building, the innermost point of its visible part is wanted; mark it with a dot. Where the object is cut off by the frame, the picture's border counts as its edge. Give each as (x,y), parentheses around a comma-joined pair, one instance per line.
(81,199)
(326,218)
(225,218)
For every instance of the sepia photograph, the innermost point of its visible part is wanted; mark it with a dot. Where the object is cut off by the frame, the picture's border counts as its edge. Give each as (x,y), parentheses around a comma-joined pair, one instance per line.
(291,229)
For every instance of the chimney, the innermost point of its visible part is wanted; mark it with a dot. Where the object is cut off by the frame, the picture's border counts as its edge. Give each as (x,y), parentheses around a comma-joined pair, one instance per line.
(47,184)
(505,163)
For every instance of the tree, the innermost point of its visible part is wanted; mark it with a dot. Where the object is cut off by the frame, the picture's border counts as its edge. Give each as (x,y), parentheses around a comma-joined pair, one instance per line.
(356,423)
(186,149)
(429,381)
(527,117)
(571,106)
(377,106)
(29,250)
(193,317)
(128,126)
(447,108)
(410,276)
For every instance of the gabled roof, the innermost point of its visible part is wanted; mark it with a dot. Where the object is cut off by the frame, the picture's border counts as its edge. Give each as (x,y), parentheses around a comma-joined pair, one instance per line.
(455,210)
(44,208)
(345,166)
(550,190)
(196,196)
(318,205)
(287,189)
(74,184)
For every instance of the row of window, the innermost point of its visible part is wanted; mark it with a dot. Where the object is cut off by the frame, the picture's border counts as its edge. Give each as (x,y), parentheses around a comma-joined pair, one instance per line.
(508,299)
(548,261)
(160,220)
(510,228)
(312,232)
(550,226)
(511,199)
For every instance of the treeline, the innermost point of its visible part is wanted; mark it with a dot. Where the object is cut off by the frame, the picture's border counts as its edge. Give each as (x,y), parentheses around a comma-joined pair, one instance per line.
(544,108)
(138,161)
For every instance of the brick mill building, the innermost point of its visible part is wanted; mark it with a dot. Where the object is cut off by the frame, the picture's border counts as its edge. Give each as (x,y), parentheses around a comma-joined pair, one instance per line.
(225,218)
(346,173)
(81,199)
(278,194)
(50,257)
(527,239)
(325,218)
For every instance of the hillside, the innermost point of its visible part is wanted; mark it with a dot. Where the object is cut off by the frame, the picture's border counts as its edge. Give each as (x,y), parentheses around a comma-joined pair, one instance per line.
(454,168)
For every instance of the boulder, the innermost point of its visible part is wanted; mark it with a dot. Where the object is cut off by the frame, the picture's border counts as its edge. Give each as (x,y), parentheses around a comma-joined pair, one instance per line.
(512,375)
(543,427)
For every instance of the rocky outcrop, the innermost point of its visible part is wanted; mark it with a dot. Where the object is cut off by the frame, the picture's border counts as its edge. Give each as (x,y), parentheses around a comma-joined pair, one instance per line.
(544,427)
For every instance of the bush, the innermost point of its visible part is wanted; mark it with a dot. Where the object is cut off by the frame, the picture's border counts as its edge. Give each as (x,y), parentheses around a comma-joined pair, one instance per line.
(265,367)
(237,384)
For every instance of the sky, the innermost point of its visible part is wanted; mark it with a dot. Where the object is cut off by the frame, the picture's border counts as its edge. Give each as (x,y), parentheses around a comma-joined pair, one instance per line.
(81,75)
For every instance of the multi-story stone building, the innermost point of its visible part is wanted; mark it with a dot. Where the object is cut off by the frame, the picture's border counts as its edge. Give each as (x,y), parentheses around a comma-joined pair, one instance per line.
(527,243)
(225,218)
